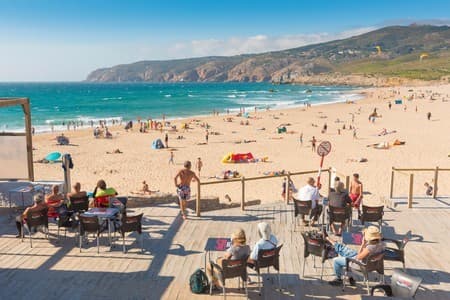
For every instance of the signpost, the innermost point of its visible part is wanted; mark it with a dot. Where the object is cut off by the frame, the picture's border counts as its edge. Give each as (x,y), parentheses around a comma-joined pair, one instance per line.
(323,149)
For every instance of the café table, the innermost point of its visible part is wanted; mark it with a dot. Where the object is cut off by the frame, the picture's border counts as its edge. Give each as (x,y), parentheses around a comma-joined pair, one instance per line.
(103,213)
(216,244)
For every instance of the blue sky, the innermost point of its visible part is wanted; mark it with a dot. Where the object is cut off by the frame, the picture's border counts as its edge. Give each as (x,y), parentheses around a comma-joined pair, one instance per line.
(57,40)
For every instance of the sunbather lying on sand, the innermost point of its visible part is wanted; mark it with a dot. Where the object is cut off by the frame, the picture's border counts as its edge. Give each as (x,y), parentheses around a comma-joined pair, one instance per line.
(116,151)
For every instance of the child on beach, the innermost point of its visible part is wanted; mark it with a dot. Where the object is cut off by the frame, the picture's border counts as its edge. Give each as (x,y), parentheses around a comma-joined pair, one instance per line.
(429,189)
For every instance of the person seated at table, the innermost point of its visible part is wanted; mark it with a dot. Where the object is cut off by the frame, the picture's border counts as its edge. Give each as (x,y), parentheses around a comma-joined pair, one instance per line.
(77,193)
(267,241)
(310,193)
(339,198)
(372,244)
(54,201)
(238,250)
(38,205)
(102,194)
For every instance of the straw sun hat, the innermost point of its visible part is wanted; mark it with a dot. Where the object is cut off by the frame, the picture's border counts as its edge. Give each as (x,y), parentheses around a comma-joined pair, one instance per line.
(372,233)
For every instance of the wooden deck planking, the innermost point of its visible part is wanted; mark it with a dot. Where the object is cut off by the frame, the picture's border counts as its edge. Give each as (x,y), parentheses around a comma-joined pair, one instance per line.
(164,270)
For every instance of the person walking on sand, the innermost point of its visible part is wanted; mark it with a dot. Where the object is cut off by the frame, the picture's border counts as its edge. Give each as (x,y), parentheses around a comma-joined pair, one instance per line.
(356,191)
(207,136)
(354,133)
(199,165)
(182,182)
(390,105)
(171,158)
(301,138)
(166,140)
(429,116)
(313,144)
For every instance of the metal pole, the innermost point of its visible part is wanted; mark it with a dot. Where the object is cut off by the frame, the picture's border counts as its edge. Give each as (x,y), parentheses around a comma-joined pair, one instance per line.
(436,173)
(392,184)
(411,188)
(243,193)
(320,170)
(197,202)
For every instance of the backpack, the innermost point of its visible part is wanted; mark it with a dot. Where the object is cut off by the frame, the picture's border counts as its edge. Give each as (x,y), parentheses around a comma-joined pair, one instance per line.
(199,282)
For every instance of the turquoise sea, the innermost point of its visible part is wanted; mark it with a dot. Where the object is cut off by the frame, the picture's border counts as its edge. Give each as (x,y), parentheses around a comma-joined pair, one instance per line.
(53,104)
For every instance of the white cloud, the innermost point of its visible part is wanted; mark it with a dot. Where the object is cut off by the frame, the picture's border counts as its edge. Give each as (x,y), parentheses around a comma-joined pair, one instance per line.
(256,44)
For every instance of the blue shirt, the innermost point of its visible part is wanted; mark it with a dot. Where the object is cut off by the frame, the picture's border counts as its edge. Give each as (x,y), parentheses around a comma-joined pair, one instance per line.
(263,245)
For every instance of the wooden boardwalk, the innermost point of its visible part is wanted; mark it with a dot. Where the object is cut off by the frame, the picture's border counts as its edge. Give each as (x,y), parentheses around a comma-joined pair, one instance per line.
(174,249)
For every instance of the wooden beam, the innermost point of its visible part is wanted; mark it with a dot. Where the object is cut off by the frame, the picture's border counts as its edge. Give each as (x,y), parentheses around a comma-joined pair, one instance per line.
(392,184)
(435,187)
(13,134)
(27,111)
(243,193)
(4,102)
(411,190)
(197,202)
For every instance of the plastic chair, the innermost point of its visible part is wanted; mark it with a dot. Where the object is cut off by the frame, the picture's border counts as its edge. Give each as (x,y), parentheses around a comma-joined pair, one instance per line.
(35,219)
(131,224)
(373,263)
(396,254)
(266,259)
(79,204)
(402,285)
(89,225)
(314,247)
(302,208)
(231,269)
(371,214)
(340,215)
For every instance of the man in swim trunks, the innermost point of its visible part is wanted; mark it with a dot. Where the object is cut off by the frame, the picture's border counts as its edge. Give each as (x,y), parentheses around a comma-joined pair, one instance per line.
(356,191)
(185,177)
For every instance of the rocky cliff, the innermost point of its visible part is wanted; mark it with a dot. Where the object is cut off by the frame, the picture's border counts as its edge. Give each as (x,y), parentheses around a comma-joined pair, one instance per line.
(342,61)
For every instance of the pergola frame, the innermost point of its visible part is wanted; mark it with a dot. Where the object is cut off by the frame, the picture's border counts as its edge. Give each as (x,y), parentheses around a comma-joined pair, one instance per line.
(25,103)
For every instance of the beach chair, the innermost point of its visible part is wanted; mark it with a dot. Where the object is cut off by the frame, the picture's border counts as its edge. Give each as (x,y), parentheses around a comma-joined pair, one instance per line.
(89,225)
(131,224)
(402,285)
(266,259)
(371,214)
(373,263)
(302,208)
(398,253)
(35,219)
(231,269)
(314,247)
(64,221)
(341,215)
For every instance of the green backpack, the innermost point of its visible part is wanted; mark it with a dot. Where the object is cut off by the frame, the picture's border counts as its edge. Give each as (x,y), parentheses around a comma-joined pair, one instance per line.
(199,282)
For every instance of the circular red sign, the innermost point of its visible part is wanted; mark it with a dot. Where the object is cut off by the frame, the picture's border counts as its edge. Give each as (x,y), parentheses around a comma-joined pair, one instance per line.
(324,148)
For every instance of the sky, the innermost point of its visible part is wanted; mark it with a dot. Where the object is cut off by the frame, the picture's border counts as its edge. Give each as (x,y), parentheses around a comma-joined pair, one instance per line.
(64,40)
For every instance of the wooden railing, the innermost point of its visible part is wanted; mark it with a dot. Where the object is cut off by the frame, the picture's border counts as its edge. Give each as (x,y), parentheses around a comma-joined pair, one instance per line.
(411,180)
(243,180)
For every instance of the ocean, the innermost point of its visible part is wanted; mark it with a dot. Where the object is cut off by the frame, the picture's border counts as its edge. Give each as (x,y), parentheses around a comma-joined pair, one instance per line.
(55,104)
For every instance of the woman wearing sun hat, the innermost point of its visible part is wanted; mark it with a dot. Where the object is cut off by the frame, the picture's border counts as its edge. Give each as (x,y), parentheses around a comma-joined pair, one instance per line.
(371,244)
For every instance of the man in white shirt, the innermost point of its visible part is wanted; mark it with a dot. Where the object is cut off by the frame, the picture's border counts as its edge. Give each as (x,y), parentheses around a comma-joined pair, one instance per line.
(307,193)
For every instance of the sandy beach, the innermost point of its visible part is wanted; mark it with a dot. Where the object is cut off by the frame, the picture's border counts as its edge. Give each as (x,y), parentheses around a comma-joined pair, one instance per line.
(427,144)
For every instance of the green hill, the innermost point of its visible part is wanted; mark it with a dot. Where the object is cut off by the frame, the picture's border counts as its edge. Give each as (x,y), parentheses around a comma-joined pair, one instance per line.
(401,48)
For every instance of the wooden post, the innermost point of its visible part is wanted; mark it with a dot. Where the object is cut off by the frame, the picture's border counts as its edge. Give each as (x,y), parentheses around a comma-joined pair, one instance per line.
(347,183)
(329,180)
(197,203)
(27,112)
(435,187)
(411,188)
(286,195)
(392,184)
(243,193)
